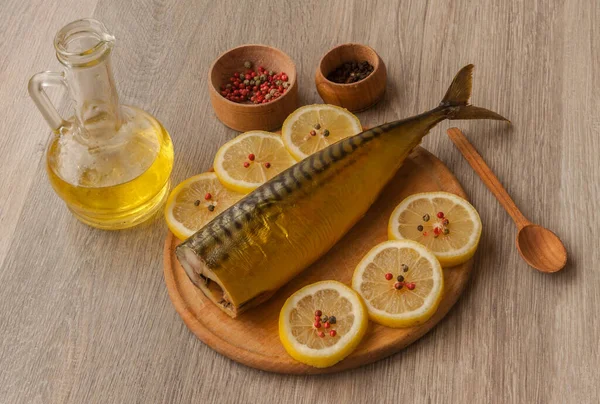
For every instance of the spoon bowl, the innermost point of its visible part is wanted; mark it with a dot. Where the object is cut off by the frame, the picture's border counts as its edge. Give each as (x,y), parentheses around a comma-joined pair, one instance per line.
(541,248)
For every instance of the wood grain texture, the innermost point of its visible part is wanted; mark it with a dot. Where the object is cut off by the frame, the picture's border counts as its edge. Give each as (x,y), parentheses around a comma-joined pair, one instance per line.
(84,314)
(253,338)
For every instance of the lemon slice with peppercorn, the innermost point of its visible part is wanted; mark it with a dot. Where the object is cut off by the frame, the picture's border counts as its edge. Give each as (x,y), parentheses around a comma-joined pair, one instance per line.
(195,202)
(401,283)
(322,323)
(314,127)
(251,159)
(445,223)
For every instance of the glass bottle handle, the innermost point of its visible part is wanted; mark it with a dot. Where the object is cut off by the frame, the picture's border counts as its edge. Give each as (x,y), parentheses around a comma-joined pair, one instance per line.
(36,91)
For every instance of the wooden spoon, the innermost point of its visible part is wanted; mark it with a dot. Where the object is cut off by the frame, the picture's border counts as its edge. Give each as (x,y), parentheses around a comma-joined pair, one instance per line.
(539,247)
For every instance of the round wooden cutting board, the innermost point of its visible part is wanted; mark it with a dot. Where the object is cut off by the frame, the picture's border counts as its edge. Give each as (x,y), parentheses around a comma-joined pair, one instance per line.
(252,338)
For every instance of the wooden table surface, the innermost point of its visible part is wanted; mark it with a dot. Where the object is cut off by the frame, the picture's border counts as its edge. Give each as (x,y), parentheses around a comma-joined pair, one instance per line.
(84,313)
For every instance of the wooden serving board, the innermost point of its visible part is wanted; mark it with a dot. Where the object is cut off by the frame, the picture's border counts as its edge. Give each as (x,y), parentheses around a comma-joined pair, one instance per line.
(252,338)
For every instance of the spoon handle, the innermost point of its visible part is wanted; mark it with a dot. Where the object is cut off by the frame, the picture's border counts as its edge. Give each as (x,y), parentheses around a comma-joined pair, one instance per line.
(487,176)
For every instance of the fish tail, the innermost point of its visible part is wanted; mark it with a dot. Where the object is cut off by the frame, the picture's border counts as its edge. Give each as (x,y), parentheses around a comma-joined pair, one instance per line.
(456,101)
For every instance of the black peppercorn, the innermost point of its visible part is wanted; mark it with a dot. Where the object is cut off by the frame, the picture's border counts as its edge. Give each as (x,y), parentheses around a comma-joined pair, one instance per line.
(351,72)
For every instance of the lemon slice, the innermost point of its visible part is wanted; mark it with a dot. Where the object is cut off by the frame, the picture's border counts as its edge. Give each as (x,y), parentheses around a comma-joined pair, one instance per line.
(453,237)
(322,323)
(401,283)
(250,160)
(314,127)
(188,208)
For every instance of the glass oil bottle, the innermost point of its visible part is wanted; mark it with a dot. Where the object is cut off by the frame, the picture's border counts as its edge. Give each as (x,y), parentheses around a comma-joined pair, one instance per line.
(110,163)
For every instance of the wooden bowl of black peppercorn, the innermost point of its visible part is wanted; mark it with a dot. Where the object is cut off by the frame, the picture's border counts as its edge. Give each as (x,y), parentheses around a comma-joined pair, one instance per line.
(352,76)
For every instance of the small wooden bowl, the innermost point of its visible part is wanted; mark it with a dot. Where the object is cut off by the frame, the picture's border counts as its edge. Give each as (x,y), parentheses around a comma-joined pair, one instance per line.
(353,96)
(245,117)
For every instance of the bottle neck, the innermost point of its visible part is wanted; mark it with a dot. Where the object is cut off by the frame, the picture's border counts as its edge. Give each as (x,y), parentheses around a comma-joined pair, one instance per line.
(84,47)
(94,95)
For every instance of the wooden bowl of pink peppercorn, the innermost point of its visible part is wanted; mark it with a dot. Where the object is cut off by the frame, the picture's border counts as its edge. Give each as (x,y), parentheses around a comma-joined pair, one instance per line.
(246,115)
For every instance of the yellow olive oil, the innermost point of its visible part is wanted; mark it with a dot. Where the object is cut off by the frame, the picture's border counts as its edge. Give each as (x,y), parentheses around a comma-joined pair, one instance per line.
(116,182)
